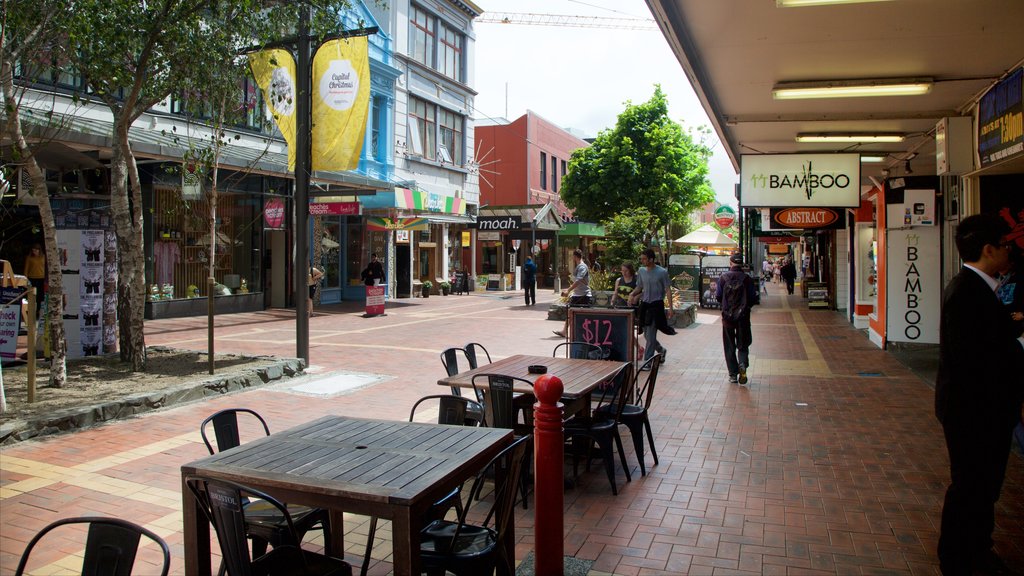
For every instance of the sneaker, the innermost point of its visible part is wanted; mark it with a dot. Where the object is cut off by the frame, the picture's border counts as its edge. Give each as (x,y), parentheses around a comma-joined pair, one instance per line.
(559,333)
(732,379)
(743,375)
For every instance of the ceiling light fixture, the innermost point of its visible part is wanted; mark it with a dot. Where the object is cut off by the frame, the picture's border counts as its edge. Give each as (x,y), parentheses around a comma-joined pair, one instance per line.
(829,138)
(852,88)
(800,3)
(873,158)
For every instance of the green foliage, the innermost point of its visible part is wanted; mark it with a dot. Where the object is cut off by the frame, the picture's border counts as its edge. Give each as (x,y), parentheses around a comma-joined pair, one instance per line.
(626,235)
(646,161)
(601,280)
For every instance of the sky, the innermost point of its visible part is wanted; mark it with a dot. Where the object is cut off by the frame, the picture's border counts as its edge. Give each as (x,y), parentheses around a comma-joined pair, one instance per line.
(582,77)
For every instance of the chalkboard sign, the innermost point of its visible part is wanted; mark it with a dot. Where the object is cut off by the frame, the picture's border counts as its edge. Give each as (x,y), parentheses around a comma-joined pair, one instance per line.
(611,329)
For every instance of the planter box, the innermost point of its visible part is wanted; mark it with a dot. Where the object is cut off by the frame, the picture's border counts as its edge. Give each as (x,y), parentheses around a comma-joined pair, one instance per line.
(185,307)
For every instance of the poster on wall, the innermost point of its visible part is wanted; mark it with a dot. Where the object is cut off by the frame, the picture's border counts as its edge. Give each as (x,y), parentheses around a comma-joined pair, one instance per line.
(1002,197)
(914,285)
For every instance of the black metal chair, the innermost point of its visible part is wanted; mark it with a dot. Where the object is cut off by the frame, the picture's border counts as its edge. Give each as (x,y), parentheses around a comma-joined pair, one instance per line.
(469,550)
(265,525)
(634,415)
(110,546)
(580,350)
(223,503)
(472,355)
(506,408)
(450,361)
(602,428)
(451,410)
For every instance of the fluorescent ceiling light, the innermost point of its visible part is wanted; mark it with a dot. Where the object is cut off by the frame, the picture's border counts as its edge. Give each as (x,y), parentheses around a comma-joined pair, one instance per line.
(872,158)
(852,88)
(849,137)
(799,3)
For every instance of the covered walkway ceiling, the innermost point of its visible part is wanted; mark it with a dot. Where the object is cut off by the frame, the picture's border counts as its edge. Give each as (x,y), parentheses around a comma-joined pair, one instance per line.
(735,51)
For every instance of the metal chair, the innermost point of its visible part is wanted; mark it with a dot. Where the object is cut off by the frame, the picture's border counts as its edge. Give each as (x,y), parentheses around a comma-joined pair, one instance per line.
(110,546)
(467,549)
(451,410)
(450,361)
(264,524)
(602,428)
(472,355)
(634,415)
(223,503)
(581,350)
(506,408)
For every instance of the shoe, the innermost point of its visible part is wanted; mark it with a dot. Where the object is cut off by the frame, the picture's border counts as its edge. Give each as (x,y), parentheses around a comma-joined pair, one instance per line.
(743,375)
(732,379)
(664,354)
(559,333)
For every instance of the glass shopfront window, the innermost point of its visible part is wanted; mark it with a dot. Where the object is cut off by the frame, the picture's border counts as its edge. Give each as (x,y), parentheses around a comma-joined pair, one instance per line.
(330,250)
(354,249)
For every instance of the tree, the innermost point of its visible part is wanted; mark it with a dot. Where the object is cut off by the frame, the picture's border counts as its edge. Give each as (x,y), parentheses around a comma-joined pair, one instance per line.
(30,36)
(646,161)
(134,54)
(624,237)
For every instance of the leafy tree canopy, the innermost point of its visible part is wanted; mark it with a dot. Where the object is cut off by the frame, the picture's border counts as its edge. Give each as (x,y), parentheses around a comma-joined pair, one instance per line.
(646,161)
(624,236)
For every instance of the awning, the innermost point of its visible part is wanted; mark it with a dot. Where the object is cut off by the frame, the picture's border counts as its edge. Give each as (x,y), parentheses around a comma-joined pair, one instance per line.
(419,201)
(537,216)
(582,229)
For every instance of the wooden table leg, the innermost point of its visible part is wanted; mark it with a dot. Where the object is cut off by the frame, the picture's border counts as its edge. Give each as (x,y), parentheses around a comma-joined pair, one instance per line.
(337,544)
(406,543)
(196,532)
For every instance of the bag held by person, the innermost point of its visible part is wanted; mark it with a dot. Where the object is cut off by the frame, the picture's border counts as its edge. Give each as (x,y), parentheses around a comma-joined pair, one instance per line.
(734,299)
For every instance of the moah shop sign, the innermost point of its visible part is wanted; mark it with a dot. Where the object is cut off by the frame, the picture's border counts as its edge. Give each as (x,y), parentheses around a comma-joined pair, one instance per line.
(800,180)
(804,218)
(499,222)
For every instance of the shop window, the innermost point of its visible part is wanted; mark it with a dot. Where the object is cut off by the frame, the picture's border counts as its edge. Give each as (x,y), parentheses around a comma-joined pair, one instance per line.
(543,171)
(354,251)
(330,253)
(554,174)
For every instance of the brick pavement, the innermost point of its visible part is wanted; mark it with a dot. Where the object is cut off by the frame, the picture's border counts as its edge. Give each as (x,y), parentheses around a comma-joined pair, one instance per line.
(828,462)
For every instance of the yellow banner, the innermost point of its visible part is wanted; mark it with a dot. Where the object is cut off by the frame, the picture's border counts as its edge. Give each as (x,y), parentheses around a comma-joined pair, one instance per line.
(341,101)
(274,71)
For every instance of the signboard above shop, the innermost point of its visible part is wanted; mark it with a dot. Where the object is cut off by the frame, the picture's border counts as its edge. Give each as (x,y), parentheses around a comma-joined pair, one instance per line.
(800,180)
(334,209)
(1001,120)
(805,218)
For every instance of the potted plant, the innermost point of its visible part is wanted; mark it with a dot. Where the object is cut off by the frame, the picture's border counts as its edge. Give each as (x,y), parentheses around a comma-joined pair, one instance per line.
(427,285)
(446,288)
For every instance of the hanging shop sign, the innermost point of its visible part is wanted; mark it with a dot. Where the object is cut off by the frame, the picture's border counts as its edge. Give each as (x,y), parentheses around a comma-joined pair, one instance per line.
(804,218)
(401,236)
(1001,120)
(800,180)
(274,213)
(725,216)
(499,222)
(377,224)
(913,289)
(334,209)
(466,238)
(191,182)
(488,236)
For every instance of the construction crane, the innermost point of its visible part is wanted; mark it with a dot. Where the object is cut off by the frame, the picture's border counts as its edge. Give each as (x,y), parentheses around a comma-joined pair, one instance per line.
(570,20)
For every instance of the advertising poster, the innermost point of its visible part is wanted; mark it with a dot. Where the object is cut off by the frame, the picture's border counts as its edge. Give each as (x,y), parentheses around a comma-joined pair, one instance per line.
(10,322)
(374,300)
(914,287)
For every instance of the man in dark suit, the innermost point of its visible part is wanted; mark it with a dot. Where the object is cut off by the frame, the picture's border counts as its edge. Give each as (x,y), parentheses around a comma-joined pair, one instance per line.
(978,396)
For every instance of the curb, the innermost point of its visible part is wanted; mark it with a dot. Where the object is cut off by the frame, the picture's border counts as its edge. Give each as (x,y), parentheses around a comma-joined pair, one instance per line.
(88,416)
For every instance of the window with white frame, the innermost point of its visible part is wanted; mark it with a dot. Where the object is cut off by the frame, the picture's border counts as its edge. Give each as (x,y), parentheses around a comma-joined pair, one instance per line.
(423,127)
(451,136)
(436,44)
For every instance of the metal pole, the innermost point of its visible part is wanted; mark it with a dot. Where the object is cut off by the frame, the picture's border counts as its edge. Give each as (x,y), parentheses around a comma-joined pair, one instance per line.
(303,168)
(210,306)
(30,320)
(548,486)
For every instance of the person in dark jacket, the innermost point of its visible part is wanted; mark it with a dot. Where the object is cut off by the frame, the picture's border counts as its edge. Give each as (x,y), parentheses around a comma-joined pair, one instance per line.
(788,272)
(736,334)
(978,395)
(530,281)
(373,272)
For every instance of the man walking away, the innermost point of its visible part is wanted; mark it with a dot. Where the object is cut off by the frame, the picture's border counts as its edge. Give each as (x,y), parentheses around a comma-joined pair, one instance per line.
(530,281)
(788,272)
(579,291)
(737,294)
(978,395)
(652,284)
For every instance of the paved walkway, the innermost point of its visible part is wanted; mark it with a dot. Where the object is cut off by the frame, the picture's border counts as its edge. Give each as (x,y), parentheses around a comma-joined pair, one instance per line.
(828,462)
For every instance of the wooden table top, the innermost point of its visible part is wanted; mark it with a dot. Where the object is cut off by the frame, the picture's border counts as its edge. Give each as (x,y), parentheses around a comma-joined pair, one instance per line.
(579,377)
(378,461)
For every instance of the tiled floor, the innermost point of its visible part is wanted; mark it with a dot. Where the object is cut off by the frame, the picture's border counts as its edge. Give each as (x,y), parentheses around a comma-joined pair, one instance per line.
(828,462)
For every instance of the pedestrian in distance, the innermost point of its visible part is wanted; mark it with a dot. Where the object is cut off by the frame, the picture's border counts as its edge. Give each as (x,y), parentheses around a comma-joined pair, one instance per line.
(35,269)
(315,274)
(624,285)
(788,271)
(737,295)
(530,281)
(373,274)
(978,395)
(651,287)
(579,291)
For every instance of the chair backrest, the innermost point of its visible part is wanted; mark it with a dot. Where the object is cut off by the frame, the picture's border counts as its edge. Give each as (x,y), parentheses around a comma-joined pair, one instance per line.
(223,503)
(499,395)
(225,428)
(646,379)
(450,361)
(110,546)
(581,350)
(450,410)
(472,355)
(619,391)
(510,460)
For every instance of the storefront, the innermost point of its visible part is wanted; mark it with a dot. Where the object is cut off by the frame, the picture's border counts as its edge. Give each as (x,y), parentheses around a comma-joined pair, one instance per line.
(506,235)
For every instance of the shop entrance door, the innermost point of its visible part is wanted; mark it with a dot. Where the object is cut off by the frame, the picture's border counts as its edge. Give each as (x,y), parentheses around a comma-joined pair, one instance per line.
(275,271)
(403,283)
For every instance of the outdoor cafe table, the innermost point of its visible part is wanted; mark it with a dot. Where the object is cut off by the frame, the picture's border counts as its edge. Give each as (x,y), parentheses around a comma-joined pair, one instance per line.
(389,469)
(579,377)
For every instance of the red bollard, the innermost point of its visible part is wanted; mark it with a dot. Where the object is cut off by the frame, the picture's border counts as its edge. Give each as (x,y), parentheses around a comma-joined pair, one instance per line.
(548,484)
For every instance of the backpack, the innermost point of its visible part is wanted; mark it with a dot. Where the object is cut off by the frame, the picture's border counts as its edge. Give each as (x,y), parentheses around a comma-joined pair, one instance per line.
(734,298)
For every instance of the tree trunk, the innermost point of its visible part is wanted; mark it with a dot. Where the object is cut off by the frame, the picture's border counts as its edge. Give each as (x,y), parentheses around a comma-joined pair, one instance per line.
(55,281)
(131,278)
